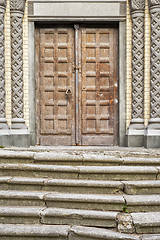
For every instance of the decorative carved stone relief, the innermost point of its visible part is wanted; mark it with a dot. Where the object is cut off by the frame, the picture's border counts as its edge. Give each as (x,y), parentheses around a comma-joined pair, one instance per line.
(155,60)
(3,123)
(17,10)
(18,5)
(137,11)
(17,67)
(137,5)
(137,66)
(154,2)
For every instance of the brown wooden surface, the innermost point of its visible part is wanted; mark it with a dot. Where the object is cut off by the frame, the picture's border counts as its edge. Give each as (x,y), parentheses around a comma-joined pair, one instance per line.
(59,95)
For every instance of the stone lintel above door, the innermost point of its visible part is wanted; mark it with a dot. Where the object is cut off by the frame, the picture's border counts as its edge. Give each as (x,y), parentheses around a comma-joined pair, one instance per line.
(77,10)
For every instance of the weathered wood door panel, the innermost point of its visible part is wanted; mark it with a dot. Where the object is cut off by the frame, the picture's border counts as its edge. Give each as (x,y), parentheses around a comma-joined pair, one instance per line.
(98,86)
(76,86)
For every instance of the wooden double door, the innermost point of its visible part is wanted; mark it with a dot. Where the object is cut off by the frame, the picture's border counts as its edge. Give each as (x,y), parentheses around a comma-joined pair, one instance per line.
(77,102)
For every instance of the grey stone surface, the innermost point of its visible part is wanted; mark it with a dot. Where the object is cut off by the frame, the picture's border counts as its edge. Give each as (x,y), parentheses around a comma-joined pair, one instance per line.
(21,140)
(146,222)
(78,217)
(78,232)
(135,140)
(22,198)
(80,10)
(117,172)
(34,230)
(142,187)
(5,140)
(152,141)
(145,161)
(82,201)
(143,203)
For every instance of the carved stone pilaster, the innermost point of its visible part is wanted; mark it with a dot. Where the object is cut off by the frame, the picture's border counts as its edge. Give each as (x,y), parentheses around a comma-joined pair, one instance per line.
(17,12)
(3,123)
(153,129)
(136,128)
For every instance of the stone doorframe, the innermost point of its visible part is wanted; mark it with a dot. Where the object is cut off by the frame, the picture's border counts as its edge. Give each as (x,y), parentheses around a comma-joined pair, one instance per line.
(78,11)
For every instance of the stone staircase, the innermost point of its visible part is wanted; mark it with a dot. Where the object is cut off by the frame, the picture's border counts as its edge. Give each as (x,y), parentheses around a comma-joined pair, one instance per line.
(79,194)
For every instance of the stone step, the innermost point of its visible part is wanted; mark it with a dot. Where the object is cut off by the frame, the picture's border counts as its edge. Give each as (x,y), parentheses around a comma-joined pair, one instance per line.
(134,203)
(81,172)
(88,233)
(80,158)
(61,185)
(141,187)
(30,232)
(61,200)
(60,232)
(80,186)
(146,222)
(53,216)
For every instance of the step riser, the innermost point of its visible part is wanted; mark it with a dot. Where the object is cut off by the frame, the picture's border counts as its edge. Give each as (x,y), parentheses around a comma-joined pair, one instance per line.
(91,176)
(39,174)
(148,230)
(84,205)
(19,220)
(22,202)
(142,191)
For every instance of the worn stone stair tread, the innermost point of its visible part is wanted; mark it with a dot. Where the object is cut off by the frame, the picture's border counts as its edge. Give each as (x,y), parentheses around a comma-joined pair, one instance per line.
(67,182)
(142,187)
(61,196)
(98,233)
(82,169)
(146,219)
(33,230)
(141,161)
(142,199)
(16,154)
(37,211)
(62,230)
(147,183)
(20,211)
(130,199)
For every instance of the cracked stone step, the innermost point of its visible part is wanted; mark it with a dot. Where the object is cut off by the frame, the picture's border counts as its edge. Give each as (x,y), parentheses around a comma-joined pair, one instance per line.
(79,217)
(61,185)
(88,233)
(146,222)
(53,216)
(81,172)
(142,187)
(59,232)
(61,200)
(29,232)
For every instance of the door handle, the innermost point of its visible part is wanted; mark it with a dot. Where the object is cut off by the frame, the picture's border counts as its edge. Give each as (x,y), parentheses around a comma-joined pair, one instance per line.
(68,92)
